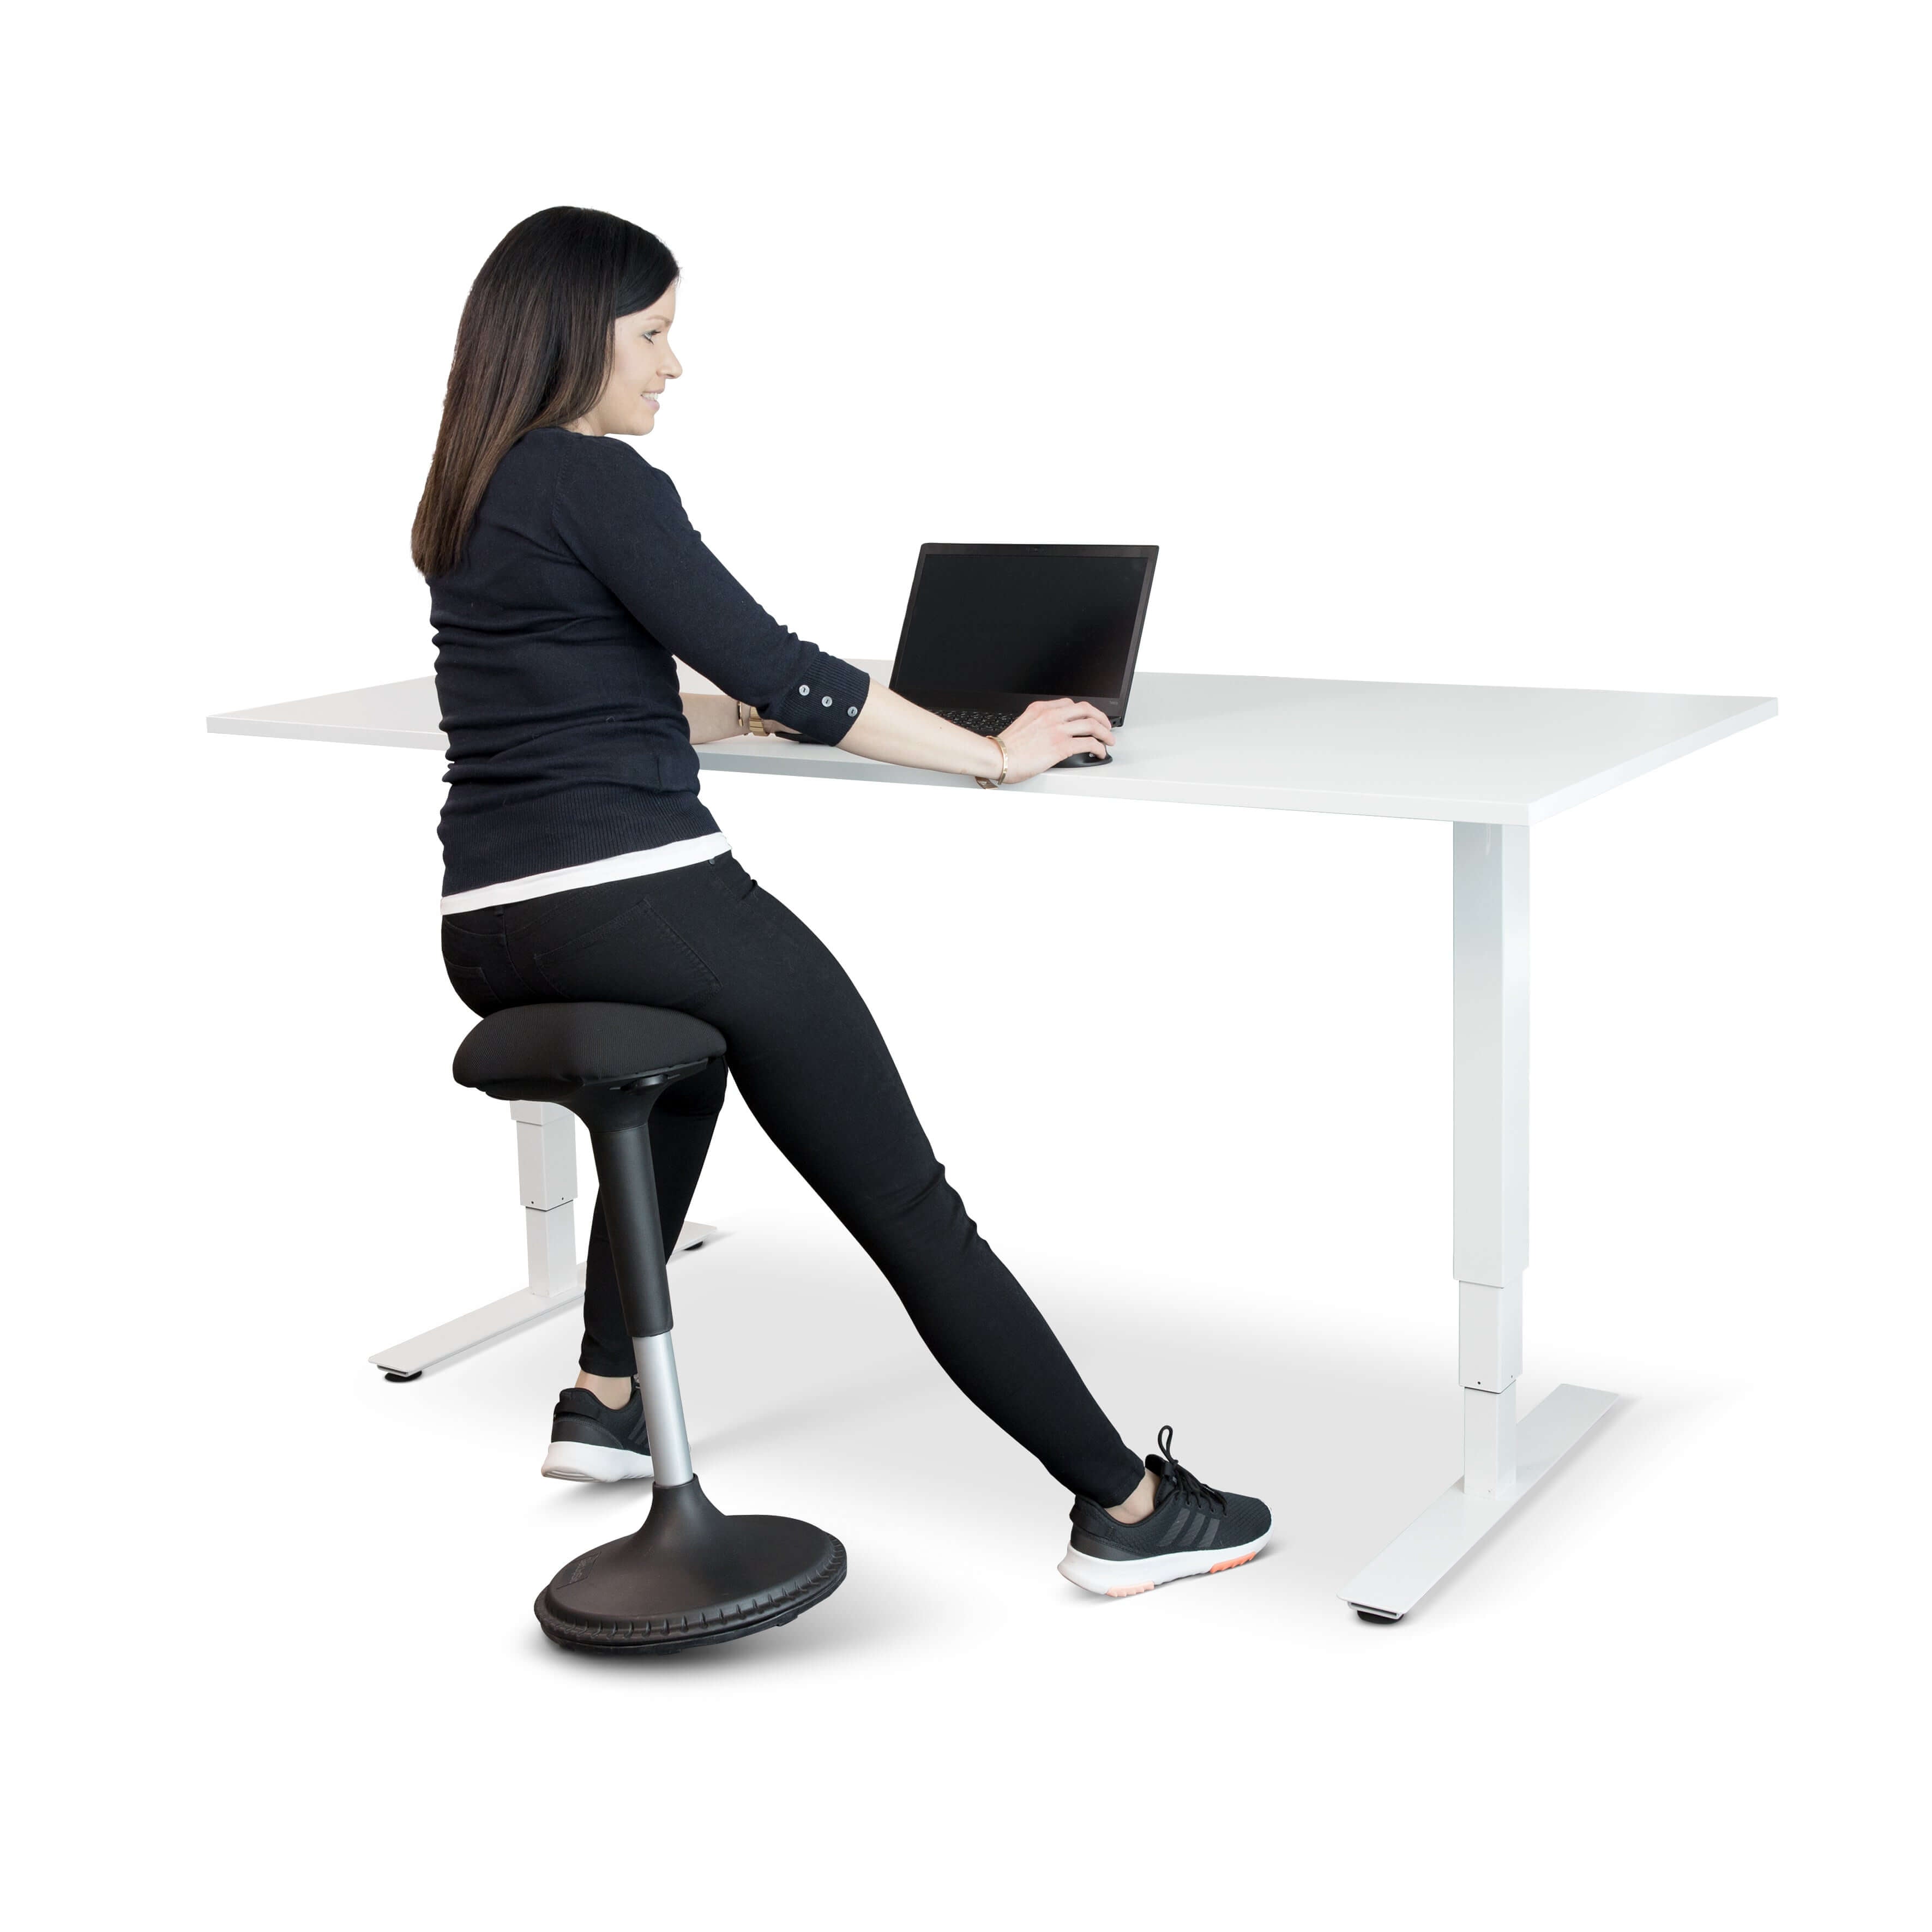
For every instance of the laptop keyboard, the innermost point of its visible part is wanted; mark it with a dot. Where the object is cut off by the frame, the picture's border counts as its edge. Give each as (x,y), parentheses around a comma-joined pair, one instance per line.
(988,723)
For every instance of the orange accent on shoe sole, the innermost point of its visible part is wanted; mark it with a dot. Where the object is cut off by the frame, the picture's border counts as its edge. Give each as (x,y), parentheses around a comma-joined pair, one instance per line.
(1212,1569)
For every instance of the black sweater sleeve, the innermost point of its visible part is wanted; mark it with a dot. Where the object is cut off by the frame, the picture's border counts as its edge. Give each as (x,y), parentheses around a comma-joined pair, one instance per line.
(623,520)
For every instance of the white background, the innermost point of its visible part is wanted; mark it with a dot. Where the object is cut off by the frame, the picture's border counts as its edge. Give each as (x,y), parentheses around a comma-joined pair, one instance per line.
(1580,346)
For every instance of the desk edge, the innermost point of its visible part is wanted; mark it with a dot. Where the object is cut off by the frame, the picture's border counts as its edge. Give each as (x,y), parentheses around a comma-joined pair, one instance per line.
(1759,709)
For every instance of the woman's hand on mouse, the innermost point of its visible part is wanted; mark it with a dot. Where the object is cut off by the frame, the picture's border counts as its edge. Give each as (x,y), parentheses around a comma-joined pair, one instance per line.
(892,728)
(1051,729)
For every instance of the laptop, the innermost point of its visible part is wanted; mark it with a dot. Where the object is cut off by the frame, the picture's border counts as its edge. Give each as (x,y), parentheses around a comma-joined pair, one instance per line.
(989,627)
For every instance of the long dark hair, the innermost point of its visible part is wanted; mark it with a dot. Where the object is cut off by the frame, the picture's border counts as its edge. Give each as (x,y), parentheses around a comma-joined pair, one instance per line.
(533,349)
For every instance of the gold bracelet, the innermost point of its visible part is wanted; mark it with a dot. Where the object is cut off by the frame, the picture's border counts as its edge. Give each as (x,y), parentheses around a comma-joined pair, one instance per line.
(750,725)
(987,784)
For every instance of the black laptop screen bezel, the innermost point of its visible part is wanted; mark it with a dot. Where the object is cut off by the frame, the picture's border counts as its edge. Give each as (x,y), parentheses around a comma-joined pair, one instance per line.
(947,698)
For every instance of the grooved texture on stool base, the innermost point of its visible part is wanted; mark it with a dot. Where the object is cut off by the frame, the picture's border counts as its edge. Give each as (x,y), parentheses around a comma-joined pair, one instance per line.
(690,1576)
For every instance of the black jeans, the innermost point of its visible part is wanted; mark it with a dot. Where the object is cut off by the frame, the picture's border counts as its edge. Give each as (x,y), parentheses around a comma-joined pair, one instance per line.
(815,1072)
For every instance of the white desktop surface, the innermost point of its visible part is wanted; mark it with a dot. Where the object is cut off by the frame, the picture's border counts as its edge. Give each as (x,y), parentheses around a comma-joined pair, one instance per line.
(1476,754)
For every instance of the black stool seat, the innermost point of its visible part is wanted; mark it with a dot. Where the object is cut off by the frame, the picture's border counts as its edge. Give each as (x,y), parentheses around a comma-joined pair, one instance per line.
(579,1043)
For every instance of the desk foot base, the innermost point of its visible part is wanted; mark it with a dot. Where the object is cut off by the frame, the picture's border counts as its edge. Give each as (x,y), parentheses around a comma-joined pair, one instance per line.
(1439,1539)
(405,1361)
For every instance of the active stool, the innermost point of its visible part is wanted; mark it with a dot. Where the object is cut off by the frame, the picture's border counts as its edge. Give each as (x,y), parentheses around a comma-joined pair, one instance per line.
(691,1575)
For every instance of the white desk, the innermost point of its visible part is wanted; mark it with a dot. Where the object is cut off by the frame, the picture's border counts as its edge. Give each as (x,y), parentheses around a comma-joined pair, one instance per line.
(1491,762)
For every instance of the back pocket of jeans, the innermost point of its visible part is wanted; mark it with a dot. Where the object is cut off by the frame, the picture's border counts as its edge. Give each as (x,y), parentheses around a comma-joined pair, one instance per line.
(635,958)
(473,988)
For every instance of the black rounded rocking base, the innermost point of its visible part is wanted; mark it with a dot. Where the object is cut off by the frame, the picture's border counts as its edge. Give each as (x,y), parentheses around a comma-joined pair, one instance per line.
(691,1575)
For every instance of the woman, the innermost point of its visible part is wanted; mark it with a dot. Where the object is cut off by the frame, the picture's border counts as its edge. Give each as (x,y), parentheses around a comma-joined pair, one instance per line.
(580,864)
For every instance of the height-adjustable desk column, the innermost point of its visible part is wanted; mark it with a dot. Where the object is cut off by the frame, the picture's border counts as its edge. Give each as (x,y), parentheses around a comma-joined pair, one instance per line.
(1503,1459)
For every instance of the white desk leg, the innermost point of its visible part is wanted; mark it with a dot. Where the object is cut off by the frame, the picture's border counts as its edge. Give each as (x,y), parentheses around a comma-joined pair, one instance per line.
(547,1180)
(1503,1457)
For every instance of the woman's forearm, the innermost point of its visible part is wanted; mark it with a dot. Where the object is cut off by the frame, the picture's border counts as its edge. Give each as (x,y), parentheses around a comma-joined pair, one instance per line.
(710,716)
(896,731)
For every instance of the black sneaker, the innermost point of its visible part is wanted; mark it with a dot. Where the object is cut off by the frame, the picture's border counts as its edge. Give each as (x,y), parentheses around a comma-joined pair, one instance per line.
(1194,1531)
(591,1443)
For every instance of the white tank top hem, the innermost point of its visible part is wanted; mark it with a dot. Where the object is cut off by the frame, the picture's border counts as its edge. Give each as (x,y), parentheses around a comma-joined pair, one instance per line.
(599,872)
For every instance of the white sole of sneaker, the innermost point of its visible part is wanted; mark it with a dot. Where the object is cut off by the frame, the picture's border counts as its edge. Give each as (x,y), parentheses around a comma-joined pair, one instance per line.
(594,1462)
(1130,1575)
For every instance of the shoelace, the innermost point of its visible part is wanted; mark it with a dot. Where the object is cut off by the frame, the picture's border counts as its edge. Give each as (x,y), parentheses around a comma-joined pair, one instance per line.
(1192,1489)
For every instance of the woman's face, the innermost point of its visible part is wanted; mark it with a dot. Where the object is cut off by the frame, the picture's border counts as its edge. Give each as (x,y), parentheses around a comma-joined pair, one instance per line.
(641,363)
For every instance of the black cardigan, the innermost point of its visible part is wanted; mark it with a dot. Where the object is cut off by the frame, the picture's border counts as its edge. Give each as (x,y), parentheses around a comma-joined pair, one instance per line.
(554,641)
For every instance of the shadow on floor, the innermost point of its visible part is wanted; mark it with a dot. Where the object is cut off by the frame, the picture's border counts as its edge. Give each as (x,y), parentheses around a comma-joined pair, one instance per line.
(809,1393)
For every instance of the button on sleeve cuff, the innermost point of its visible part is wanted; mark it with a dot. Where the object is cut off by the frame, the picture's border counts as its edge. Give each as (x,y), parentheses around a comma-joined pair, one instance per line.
(822,700)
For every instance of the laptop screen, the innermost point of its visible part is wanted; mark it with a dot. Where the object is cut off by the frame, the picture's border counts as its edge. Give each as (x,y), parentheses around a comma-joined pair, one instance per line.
(1022,621)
